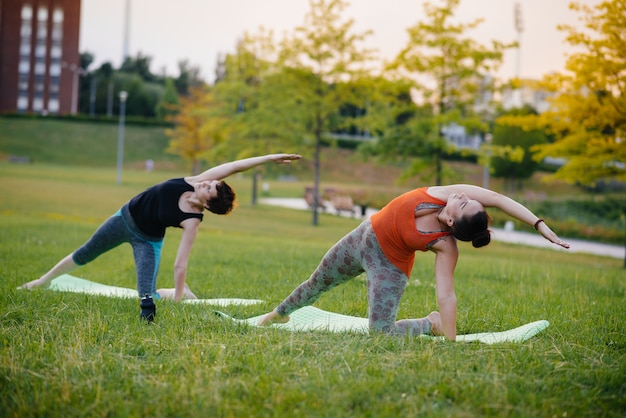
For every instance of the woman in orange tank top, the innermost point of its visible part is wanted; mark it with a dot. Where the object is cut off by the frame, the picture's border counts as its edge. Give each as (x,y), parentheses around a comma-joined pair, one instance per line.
(424,219)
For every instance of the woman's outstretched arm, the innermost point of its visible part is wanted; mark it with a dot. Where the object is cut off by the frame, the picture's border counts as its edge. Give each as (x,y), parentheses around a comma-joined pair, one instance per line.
(227,169)
(489,198)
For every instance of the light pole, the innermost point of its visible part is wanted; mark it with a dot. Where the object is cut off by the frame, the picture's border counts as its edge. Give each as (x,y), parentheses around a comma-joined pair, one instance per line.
(76,72)
(120,137)
(519,28)
(92,97)
(126,32)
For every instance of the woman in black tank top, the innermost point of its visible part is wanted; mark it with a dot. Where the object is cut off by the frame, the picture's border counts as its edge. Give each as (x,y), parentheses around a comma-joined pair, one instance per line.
(142,222)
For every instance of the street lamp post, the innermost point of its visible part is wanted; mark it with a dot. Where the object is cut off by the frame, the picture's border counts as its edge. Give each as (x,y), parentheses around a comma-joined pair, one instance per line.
(120,137)
(77,71)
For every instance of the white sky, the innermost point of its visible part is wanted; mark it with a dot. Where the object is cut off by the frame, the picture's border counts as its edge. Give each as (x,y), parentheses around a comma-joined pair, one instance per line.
(198,30)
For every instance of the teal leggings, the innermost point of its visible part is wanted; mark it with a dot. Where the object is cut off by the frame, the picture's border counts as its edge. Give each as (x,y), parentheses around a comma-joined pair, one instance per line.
(118,229)
(354,254)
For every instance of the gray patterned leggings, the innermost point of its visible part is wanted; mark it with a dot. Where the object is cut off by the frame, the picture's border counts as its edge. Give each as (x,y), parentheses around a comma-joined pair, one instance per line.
(354,254)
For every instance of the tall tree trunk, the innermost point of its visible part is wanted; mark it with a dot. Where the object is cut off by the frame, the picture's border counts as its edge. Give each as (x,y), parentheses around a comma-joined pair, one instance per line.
(255,176)
(438,167)
(316,186)
(625,237)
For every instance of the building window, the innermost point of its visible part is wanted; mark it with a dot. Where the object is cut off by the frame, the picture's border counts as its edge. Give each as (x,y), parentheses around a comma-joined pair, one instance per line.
(42,14)
(55,51)
(42,25)
(27,12)
(53,105)
(23,66)
(57,32)
(22,84)
(54,85)
(24,49)
(22,102)
(40,50)
(57,26)
(26,30)
(42,32)
(40,68)
(37,104)
(57,15)
(55,69)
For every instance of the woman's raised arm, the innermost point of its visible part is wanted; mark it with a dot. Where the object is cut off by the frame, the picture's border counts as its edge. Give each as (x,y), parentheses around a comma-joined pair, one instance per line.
(489,198)
(227,169)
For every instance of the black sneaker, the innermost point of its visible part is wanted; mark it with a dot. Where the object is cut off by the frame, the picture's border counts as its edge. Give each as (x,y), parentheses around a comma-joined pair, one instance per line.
(148,308)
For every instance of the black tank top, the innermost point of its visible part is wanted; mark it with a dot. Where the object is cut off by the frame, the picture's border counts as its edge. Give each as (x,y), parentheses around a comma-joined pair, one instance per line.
(157,208)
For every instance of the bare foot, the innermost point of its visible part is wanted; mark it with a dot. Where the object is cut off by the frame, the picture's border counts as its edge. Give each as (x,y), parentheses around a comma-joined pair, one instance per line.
(435,323)
(33,284)
(273,318)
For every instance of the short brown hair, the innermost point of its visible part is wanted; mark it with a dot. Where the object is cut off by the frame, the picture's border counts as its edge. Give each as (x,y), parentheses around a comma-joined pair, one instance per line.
(224,203)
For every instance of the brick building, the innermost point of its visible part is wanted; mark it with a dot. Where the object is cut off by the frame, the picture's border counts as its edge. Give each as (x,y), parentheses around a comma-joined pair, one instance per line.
(39,57)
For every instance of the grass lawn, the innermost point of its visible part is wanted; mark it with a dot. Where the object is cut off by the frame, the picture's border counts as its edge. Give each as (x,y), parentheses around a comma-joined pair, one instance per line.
(65,354)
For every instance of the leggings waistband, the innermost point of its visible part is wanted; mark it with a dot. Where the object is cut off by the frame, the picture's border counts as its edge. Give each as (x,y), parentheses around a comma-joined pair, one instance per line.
(130,222)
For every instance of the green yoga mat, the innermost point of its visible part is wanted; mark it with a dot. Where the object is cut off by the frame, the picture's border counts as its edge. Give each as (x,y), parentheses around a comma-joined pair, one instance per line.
(310,318)
(68,283)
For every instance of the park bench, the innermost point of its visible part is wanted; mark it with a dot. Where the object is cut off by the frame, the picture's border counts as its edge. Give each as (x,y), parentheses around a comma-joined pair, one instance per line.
(309,198)
(343,203)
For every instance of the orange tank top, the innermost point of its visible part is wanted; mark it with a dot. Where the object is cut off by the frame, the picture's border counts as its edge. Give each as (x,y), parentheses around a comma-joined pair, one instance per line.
(394,226)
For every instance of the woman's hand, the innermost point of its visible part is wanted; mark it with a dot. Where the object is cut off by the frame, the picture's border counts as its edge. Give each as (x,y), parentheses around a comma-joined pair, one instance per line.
(284,158)
(550,235)
(169,294)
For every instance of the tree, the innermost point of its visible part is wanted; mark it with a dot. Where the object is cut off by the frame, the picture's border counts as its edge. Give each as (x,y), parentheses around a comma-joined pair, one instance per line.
(198,128)
(86,59)
(448,71)
(587,114)
(139,65)
(143,96)
(188,77)
(321,57)
(255,102)
(169,103)
(511,155)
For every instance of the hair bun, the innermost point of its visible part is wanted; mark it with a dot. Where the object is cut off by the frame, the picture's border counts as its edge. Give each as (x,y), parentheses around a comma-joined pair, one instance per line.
(481,239)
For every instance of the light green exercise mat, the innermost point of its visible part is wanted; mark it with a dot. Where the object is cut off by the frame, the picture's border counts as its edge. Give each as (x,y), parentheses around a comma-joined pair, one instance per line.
(68,283)
(310,318)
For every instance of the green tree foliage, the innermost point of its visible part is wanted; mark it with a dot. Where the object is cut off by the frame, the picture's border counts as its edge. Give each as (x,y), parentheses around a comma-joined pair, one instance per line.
(86,59)
(198,130)
(587,116)
(511,156)
(448,71)
(139,65)
(145,89)
(169,102)
(321,58)
(188,77)
(256,98)
(258,103)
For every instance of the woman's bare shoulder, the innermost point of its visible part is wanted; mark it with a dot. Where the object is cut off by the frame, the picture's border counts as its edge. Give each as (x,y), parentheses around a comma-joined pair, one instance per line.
(440,192)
